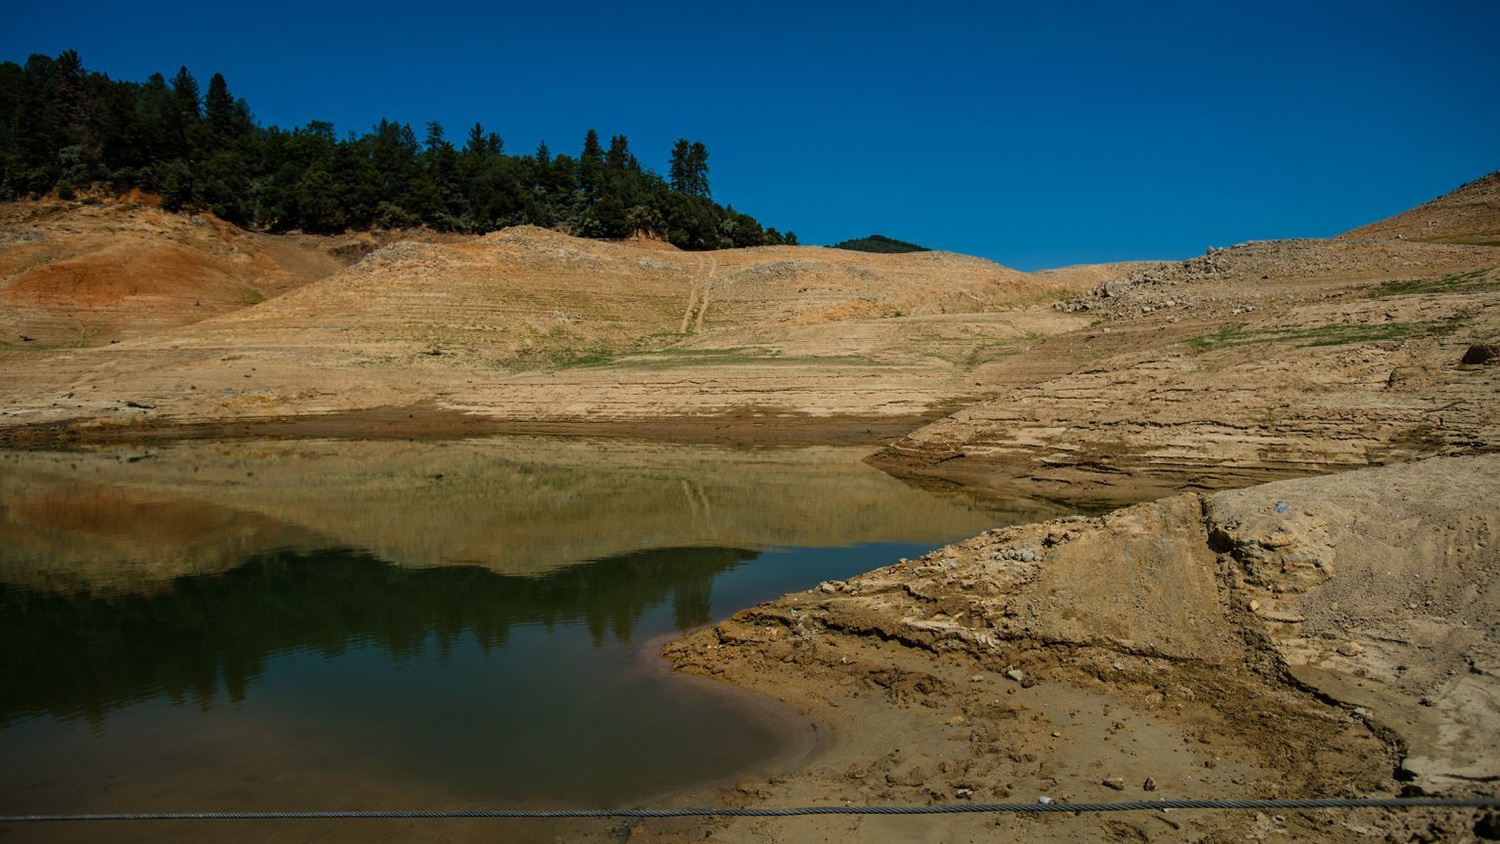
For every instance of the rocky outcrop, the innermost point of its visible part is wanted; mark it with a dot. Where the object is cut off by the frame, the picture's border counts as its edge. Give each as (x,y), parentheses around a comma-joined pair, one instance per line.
(1322,636)
(1303,376)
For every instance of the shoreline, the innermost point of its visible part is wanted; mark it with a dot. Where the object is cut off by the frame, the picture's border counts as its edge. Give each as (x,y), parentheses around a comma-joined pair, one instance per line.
(998,669)
(428,421)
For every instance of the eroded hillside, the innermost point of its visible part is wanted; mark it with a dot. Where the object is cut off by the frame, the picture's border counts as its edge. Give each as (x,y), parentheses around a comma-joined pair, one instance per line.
(1249,363)
(529,327)
(89,273)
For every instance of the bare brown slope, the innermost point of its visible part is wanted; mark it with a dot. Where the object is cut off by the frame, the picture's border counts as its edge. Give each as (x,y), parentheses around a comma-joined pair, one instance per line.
(89,273)
(1470,214)
(532,327)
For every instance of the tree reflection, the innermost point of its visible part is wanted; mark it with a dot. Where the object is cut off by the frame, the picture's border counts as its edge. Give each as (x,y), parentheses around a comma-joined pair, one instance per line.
(74,656)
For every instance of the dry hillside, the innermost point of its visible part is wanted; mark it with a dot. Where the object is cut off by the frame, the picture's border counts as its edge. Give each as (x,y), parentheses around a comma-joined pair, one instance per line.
(1470,214)
(529,327)
(89,273)
(1258,361)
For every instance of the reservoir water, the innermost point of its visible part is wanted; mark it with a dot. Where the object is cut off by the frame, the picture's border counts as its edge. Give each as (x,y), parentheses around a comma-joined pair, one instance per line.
(330,625)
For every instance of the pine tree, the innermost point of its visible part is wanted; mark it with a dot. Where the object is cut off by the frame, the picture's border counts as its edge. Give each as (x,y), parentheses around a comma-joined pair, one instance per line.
(185,89)
(679,173)
(219,109)
(689,173)
(698,167)
(591,167)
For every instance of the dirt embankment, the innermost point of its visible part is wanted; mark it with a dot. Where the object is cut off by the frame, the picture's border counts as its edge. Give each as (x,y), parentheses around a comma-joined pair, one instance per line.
(1332,636)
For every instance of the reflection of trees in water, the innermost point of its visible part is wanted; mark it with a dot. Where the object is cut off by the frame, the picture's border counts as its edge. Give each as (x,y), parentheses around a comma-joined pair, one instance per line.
(81,655)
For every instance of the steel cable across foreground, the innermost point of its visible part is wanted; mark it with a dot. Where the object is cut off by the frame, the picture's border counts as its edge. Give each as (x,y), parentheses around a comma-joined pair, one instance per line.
(946,809)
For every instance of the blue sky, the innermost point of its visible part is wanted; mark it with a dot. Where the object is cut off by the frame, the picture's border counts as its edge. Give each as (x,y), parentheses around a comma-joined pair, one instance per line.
(1034,134)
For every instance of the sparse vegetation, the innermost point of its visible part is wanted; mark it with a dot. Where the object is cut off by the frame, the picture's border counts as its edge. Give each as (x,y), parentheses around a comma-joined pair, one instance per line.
(1323,335)
(1454,283)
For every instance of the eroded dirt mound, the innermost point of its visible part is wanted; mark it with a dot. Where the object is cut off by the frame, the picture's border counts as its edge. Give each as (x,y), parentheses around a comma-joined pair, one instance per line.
(88,273)
(1151,653)
(1382,588)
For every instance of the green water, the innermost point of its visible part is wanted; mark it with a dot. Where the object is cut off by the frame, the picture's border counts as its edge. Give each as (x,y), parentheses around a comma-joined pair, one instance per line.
(181,632)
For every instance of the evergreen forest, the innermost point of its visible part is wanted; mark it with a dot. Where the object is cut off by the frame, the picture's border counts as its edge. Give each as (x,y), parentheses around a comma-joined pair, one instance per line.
(67,129)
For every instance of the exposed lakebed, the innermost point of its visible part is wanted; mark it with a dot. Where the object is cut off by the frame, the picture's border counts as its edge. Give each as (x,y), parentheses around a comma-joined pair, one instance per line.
(325,624)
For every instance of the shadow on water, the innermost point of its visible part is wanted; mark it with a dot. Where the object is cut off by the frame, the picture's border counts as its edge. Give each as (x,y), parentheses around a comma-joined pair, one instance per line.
(81,655)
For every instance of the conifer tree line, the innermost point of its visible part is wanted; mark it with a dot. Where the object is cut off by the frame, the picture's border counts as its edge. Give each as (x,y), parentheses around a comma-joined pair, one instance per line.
(65,128)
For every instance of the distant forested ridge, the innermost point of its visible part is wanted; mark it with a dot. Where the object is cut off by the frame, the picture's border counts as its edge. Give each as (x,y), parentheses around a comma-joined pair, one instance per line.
(880,243)
(65,128)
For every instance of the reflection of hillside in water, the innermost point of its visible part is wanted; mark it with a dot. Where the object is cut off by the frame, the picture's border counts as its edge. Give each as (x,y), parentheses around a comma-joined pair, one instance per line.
(534,504)
(83,656)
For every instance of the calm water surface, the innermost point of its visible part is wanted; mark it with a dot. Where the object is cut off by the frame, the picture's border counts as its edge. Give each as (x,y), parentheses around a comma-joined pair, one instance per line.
(381,625)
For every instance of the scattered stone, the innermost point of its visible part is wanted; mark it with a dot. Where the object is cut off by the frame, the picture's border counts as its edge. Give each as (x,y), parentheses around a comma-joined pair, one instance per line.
(1016,674)
(1149,784)
(1116,783)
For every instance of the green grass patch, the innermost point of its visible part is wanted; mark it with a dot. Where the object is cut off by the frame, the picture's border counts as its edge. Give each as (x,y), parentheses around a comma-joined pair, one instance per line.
(1455,283)
(579,358)
(1324,335)
(667,358)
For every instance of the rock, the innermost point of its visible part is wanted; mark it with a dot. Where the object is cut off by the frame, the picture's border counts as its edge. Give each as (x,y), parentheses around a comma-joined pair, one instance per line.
(1148,785)
(1280,617)
(1351,649)
(1488,826)
(1117,783)
(1481,353)
(1016,674)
